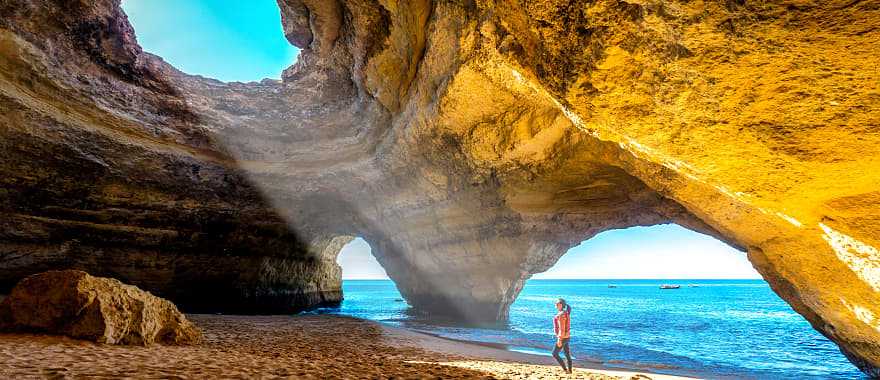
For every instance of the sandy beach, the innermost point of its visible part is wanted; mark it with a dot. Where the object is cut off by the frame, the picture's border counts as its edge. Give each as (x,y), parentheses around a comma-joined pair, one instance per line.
(309,347)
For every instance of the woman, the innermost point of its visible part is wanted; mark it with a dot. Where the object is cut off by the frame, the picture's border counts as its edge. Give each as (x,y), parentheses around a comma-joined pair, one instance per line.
(562,328)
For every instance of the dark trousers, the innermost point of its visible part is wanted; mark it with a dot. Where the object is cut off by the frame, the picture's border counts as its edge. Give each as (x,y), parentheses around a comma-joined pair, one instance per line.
(567,354)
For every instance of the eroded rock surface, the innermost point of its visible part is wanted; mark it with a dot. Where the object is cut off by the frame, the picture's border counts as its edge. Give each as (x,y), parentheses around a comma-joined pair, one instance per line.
(470,143)
(103,310)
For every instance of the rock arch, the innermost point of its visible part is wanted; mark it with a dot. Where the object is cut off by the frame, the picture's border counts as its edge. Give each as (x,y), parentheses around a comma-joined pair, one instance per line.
(472,144)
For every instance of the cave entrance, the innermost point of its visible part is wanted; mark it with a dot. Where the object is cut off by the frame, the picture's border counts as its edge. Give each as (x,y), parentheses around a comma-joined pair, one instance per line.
(367,290)
(358,263)
(666,251)
(724,319)
(228,40)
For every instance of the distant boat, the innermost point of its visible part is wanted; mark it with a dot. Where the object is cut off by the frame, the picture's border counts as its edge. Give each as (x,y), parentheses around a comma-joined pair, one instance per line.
(612,286)
(665,286)
(693,286)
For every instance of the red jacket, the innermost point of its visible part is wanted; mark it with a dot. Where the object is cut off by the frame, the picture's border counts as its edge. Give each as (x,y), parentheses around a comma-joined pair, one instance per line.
(562,324)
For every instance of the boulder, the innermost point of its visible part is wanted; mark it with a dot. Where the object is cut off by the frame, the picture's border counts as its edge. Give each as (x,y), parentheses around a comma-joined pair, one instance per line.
(104,310)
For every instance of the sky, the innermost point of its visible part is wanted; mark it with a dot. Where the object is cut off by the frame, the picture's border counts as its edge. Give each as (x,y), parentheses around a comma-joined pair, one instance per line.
(357,262)
(229,40)
(233,40)
(664,251)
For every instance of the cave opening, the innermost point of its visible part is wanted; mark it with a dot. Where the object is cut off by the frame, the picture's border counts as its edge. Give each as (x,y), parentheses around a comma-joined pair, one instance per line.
(358,263)
(665,251)
(367,290)
(227,40)
(719,315)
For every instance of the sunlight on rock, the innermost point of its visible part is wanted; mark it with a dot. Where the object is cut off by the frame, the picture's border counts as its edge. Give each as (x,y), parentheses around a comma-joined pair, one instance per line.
(790,219)
(860,257)
(864,315)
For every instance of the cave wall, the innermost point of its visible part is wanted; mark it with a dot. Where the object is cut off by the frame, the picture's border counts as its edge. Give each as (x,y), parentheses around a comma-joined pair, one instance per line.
(471,143)
(105,168)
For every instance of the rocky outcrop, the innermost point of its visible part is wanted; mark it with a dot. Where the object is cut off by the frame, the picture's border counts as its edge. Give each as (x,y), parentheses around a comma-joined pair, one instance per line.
(106,168)
(103,310)
(470,143)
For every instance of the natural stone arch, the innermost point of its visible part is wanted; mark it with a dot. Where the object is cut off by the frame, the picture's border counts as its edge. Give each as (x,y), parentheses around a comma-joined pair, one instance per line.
(472,143)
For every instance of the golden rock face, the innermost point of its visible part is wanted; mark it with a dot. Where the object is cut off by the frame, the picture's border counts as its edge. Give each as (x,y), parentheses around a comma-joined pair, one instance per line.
(471,144)
(759,119)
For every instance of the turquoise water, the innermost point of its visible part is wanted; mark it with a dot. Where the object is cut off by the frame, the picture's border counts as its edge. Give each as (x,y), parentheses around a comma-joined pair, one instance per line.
(719,329)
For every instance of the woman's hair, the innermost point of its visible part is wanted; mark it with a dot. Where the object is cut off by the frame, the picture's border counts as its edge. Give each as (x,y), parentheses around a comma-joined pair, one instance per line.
(565,305)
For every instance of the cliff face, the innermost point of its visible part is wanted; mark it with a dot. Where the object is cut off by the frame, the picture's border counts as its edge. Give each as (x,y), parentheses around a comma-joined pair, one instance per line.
(105,167)
(471,144)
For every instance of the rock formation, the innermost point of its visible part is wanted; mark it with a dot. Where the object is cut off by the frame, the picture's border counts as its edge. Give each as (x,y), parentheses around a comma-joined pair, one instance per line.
(471,143)
(104,310)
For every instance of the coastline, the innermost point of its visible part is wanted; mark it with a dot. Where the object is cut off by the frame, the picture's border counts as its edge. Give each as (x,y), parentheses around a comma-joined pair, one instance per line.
(499,361)
(281,346)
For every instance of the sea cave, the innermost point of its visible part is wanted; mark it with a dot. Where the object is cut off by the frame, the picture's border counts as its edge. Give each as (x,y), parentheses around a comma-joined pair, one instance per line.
(471,144)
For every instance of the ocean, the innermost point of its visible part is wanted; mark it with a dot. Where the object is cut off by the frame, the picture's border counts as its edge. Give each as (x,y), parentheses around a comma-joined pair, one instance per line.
(718,329)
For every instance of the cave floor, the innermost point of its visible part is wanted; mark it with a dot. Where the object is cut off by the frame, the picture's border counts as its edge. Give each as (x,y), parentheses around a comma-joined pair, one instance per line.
(302,347)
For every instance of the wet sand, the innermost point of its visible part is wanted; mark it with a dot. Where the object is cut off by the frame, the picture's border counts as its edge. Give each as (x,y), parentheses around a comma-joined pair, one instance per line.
(307,347)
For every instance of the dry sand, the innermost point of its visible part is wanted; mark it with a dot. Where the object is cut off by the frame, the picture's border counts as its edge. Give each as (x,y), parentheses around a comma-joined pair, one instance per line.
(316,347)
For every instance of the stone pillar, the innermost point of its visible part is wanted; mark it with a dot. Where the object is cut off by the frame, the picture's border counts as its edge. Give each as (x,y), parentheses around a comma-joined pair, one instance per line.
(469,280)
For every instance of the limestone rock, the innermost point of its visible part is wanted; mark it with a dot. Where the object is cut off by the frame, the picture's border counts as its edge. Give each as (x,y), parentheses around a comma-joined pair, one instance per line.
(470,143)
(103,310)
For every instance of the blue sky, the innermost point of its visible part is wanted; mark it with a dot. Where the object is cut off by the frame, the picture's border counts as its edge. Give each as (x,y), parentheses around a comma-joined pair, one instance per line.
(229,40)
(233,40)
(665,251)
